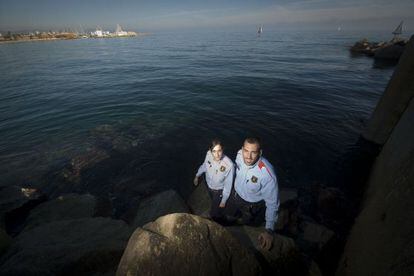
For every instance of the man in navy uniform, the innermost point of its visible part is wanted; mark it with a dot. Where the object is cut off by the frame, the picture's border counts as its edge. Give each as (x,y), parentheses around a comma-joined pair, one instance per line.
(255,194)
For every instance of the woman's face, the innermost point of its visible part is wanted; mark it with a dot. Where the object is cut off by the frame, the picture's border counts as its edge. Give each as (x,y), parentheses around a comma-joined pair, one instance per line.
(217,152)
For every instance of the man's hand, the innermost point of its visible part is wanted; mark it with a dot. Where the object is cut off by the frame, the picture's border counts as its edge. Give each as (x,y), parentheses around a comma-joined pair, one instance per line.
(222,205)
(265,240)
(195,181)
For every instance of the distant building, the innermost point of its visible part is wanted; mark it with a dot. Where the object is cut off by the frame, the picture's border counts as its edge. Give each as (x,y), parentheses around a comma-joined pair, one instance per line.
(119,31)
(97,33)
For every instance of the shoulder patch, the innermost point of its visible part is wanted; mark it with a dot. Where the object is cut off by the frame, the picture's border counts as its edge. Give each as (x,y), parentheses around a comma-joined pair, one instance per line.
(263,165)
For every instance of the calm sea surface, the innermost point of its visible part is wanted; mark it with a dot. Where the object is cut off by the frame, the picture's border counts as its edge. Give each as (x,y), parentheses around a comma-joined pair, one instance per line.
(153,103)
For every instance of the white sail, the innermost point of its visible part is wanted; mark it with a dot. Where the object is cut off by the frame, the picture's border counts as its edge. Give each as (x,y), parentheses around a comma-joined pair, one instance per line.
(260,30)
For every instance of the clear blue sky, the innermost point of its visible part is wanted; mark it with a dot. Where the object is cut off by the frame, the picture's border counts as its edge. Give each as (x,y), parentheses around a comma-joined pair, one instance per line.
(155,15)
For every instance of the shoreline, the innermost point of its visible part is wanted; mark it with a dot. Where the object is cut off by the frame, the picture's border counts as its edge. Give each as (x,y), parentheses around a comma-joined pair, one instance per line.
(64,38)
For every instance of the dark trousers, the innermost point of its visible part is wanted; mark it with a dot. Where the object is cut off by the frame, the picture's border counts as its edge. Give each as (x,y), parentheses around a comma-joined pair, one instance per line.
(216,213)
(243,212)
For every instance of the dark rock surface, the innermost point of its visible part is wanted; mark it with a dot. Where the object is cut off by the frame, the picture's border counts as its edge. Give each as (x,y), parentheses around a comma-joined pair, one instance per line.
(70,206)
(284,257)
(69,247)
(288,212)
(391,51)
(184,244)
(161,204)
(200,201)
(5,241)
(15,204)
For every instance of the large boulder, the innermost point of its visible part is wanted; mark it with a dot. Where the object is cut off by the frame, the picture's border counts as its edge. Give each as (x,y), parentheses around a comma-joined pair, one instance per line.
(282,259)
(200,201)
(70,206)
(161,204)
(184,244)
(69,247)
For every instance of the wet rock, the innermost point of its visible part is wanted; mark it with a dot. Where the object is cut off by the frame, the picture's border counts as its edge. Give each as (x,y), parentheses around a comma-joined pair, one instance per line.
(15,204)
(287,222)
(70,206)
(161,204)
(5,241)
(390,52)
(284,257)
(365,47)
(70,247)
(331,205)
(87,160)
(200,201)
(184,244)
(316,235)
(314,269)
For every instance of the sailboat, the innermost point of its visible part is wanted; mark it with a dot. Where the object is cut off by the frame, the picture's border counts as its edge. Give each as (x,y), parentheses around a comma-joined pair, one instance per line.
(260,30)
(397,31)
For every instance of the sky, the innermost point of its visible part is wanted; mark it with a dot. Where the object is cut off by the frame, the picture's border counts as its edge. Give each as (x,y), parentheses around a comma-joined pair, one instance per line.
(154,15)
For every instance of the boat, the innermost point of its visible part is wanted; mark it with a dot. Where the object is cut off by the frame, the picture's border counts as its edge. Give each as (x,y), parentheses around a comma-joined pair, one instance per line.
(397,32)
(260,30)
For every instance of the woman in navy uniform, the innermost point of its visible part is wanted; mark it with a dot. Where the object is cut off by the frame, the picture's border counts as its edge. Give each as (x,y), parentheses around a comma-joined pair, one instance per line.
(219,172)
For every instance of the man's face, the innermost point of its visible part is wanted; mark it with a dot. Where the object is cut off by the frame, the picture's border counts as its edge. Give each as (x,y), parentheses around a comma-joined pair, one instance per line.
(217,152)
(251,152)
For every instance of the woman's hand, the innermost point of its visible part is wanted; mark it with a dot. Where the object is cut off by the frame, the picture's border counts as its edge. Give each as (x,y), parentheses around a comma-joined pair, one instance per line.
(195,181)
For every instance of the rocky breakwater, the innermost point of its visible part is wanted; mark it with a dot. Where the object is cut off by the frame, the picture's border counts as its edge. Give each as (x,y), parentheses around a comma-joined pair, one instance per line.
(391,50)
(381,240)
(77,234)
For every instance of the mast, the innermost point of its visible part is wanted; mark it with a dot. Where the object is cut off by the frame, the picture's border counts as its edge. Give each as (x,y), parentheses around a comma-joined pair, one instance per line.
(397,30)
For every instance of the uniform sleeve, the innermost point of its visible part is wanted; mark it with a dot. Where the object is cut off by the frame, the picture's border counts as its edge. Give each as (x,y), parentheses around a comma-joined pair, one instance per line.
(271,198)
(228,183)
(203,168)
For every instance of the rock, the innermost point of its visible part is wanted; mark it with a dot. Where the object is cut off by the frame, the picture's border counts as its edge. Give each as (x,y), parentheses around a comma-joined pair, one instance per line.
(288,196)
(331,205)
(288,212)
(365,47)
(68,247)
(87,160)
(283,258)
(314,270)
(316,234)
(184,244)
(15,204)
(161,204)
(70,206)
(200,201)
(390,52)
(5,241)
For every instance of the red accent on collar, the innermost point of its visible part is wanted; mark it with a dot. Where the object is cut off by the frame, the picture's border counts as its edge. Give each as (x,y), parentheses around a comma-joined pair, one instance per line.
(261,164)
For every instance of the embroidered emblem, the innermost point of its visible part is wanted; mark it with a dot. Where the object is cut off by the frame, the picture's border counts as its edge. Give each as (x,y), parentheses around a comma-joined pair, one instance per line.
(254,179)
(222,168)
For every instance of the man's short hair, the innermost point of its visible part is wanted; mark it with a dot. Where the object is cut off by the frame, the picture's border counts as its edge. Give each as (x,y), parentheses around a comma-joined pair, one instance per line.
(253,140)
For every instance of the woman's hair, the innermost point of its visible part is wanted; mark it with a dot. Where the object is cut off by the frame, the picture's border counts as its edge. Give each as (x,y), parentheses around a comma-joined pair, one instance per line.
(215,142)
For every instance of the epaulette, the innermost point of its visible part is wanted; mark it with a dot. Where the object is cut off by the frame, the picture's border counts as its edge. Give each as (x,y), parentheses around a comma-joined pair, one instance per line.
(263,165)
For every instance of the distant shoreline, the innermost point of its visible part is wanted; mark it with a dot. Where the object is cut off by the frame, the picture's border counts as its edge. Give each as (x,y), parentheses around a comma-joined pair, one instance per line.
(65,38)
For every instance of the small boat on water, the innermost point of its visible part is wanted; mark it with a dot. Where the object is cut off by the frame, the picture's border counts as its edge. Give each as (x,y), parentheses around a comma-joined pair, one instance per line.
(260,30)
